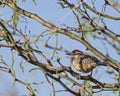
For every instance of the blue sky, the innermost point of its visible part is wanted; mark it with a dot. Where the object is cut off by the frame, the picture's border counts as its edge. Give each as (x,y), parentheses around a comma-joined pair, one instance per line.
(52,12)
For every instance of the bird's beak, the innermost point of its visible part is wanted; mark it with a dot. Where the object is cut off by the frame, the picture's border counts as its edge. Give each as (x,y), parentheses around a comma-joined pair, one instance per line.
(68,53)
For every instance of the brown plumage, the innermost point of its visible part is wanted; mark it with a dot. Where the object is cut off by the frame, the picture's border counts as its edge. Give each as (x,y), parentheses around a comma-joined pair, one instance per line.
(83,62)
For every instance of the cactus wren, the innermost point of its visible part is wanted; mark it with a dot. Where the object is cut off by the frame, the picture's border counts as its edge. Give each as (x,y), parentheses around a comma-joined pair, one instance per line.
(83,62)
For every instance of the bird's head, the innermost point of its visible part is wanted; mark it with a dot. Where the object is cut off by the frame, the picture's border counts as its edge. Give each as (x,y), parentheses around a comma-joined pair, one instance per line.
(75,52)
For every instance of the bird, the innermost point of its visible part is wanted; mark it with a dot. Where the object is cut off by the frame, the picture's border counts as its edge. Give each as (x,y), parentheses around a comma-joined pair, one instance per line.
(84,62)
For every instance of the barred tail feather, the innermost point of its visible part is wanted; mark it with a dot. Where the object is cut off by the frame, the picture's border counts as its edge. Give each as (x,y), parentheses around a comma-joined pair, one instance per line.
(102,63)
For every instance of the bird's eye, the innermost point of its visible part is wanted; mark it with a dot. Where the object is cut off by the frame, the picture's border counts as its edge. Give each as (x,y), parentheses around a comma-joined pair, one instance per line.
(78,53)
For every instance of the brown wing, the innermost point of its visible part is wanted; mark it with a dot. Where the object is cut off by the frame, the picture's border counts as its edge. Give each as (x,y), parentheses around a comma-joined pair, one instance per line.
(88,63)
(87,59)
